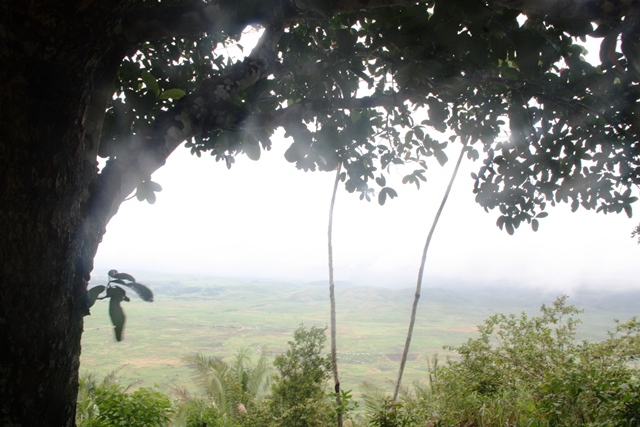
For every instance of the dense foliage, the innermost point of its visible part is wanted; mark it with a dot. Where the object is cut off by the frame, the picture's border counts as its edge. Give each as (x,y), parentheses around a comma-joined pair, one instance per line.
(525,370)
(299,397)
(518,371)
(109,404)
(370,89)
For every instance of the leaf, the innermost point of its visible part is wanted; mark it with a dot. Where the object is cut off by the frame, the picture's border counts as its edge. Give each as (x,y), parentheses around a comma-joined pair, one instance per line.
(508,225)
(408,137)
(382,198)
(172,94)
(575,205)
(251,148)
(123,276)
(154,186)
(146,191)
(542,215)
(387,191)
(229,160)
(381,181)
(441,157)
(94,292)
(143,292)
(117,317)
(116,292)
(535,225)
(151,82)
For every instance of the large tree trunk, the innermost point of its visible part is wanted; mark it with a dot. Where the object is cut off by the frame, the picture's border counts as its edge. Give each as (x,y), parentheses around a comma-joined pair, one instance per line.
(41,283)
(48,56)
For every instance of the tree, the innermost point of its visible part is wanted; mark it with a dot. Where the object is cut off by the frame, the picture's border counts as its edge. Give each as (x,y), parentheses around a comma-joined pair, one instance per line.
(524,370)
(229,384)
(298,394)
(131,80)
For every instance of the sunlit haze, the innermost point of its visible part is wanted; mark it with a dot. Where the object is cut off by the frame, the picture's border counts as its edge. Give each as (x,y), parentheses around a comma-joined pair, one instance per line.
(267,219)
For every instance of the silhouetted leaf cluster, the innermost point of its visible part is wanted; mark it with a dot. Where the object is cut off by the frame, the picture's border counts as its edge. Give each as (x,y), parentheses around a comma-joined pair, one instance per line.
(116,295)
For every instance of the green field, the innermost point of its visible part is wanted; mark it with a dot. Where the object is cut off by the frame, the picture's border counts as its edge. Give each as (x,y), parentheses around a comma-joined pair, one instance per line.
(216,317)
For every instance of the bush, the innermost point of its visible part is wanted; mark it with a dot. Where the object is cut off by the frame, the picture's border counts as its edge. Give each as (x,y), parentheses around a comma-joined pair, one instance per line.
(109,404)
(298,395)
(533,371)
(197,412)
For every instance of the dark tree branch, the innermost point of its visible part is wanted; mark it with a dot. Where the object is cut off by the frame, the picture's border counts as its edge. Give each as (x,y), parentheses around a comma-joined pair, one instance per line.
(341,6)
(314,107)
(592,10)
(207,108)
(193,17)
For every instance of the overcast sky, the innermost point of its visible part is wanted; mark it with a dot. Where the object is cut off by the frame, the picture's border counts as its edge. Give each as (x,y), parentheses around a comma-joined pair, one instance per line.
(268,219)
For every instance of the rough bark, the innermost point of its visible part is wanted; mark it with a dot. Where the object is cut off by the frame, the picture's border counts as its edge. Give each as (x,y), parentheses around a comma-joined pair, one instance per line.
(47,57)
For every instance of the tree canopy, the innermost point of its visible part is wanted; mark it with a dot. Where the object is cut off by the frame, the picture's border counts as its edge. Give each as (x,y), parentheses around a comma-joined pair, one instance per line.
(348,82)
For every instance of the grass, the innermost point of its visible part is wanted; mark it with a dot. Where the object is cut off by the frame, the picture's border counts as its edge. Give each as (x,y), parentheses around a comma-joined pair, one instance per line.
(216,316)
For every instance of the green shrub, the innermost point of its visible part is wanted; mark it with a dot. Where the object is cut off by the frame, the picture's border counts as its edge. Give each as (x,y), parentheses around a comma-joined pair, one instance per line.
(109,404)
(533,371)
(197,412)
(298,394)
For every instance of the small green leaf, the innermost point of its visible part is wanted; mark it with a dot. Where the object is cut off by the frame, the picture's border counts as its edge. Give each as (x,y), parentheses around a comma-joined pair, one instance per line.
(441,157)
(123,276)
(116,292)
(117,317)
(508,225)
(154,186)
(143,292)
(172,94)
(251,148)
(408,137)
(382,197)
(151,82)
(93,294)
(387,191)
(392,193)
(146,191)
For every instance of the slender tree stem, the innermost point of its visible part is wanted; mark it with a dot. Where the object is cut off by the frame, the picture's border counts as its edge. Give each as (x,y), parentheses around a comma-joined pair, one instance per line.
(416,298)
(332,298)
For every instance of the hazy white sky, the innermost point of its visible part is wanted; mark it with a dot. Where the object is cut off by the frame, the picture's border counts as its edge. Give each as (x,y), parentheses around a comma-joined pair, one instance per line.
(268,219)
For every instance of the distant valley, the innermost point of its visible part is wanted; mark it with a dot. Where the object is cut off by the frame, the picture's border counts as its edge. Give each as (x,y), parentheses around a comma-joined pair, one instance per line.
(217,316)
